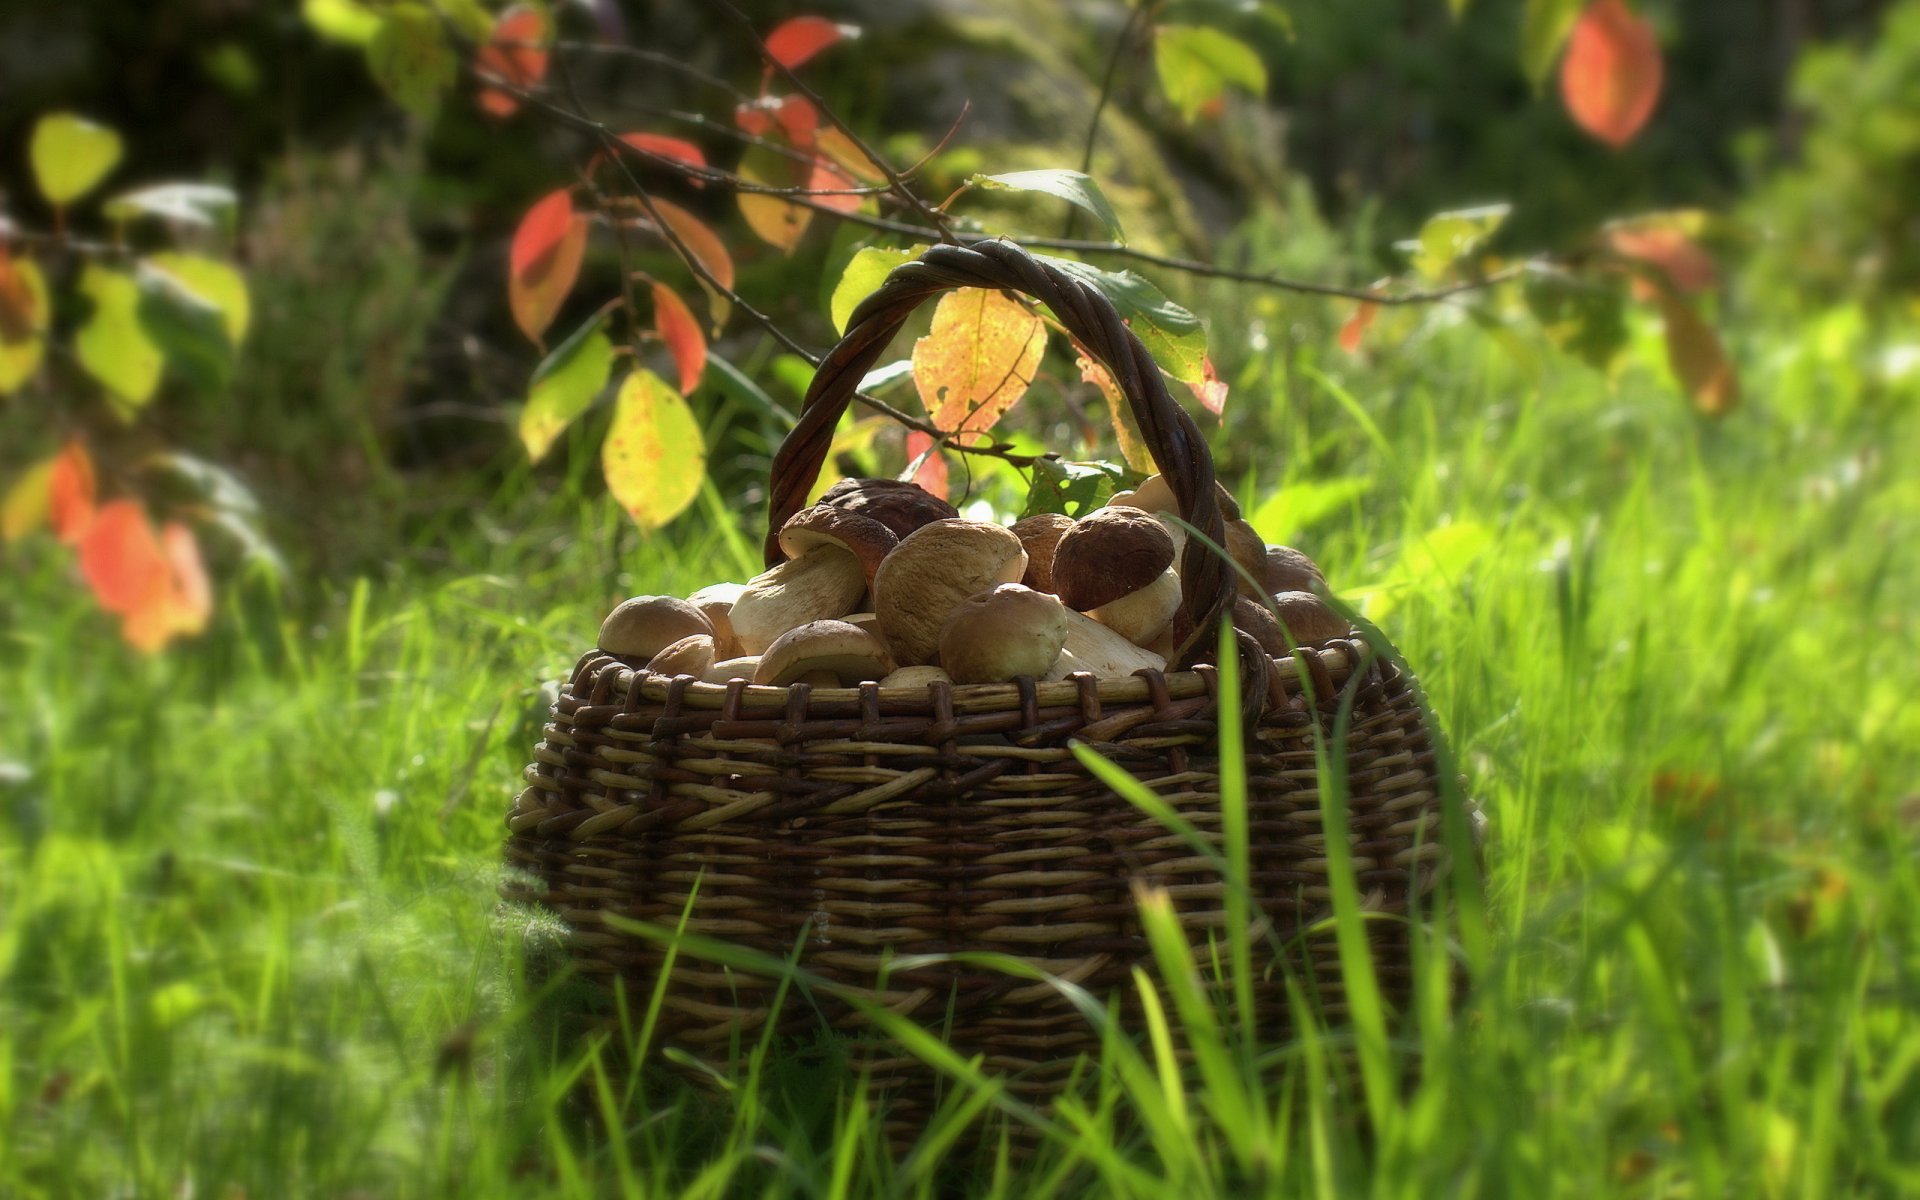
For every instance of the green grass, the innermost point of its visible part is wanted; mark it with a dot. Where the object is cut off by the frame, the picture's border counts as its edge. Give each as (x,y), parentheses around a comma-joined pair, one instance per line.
(249,940)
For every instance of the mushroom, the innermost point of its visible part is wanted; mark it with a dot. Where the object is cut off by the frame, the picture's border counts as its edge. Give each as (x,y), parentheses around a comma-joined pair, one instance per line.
(729,669)
(915,677)
(1091,646)
(824,653)
(645,625)
(1039,534)
(932,570)
(1245,547)
(824,526)
(1115,565)
(824,583)
(1003,634)
(1284,569)
(1252,617)
(1155,495)
(688,656)
(902,507)
(715,602)
(1307,619)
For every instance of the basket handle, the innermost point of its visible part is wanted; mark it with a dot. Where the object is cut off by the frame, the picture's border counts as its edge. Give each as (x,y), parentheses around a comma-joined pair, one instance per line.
(1174,440)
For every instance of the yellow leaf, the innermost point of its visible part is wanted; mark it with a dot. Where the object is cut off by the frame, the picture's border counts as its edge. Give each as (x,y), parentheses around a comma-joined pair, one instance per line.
(27,502)
(113,346)
(70,155)
(978,359)
(19,360)
(778,223)
(220,284)
(654,457)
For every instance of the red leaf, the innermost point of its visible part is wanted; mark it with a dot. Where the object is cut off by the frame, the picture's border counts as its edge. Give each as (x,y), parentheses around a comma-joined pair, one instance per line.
(1684,263)
(1697,358)
(1355,327)
(798,39)
(515,53)
(932,472)
(70,493)
(19,313)
(674,322)
(678,150)
(121,559)
(183,607)
(755,116)
(704,246)
(544,261)
(1610,78)
(799,119)
(1211,391)
(826,176)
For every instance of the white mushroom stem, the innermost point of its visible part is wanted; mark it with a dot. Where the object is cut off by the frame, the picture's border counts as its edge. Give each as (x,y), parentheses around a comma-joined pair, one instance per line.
(1091,646)
(824,584)
(1140,616)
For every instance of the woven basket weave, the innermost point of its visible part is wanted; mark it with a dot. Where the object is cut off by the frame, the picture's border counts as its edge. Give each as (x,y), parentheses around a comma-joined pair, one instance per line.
(863,824)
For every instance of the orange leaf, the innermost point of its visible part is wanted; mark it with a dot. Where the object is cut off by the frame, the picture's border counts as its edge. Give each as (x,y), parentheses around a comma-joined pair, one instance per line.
(1211,390)
(544,261)
(755,116)
(978,359)
(827,177)
(1684,263)
(1355,327)
(798,39)
(1697,358)
(674,322)
(837,146)
(70,493)
(931,474)
(680,150)
(1133,447)
(121,559)
(1610,78)
(799,120)
(516,53)
(776,222)
(19,311)
(703,245)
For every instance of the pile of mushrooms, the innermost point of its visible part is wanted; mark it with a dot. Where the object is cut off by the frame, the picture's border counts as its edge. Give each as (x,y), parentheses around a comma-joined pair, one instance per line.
(885,582)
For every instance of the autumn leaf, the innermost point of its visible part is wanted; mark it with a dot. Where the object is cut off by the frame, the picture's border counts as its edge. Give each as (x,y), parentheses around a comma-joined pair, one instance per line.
(515,54)
(697,241)
(1210,390)
(1355,327)
(218,283)
(29,314)
(1126,431)
(70,156)
(1663,243)
(1698,360)
(836,145)
(544,261)
(24,507)
(564,385)
(978,359)
(155,583)
(674,322)
(931,473)
(673,149)
(1610,78)
(779,223)
(865,272)
(70,492)
(798,39)
(654,458)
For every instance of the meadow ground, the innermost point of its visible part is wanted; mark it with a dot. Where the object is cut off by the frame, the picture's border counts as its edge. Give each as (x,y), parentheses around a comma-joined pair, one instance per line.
(250,946)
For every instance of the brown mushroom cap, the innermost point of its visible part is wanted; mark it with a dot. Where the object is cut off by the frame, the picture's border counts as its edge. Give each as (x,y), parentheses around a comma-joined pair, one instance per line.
(1107,554)
(1039,536)
(819,586)
(849,654)
(1287,570)
(1003,634)
(1254,618)
(932,570)
(1245,547)
(823,525)
(1308,620)
(902,507)
(645,625)
(688,656)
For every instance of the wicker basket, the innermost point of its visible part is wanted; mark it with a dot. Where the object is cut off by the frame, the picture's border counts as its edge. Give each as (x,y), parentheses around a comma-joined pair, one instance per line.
(863,824)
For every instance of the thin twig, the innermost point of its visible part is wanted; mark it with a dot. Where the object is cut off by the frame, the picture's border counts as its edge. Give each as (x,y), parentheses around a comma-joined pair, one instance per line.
(1120,45)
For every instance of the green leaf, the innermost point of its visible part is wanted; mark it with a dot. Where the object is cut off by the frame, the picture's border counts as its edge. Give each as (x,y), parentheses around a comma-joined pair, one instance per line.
(1197,62)
(564,385)
(189,329)
(348,22)
(1075,187)
(1448,237)
(71,155)
(1582,317)
(1543,29)
(113,345)
(204,205)
(654,457)
(1175,337)
(217,283)
(410,58)
(867,271)
(1073,488)
(470,17)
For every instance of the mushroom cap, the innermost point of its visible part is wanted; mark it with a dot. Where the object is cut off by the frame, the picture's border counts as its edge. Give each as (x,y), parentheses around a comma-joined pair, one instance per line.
(850,654)
(824,525)
(819,586)
(688,656)
(1252,617)
(932,570)
(916,677)
(1307,619)
(1140,615)
(1285,569)
(645,625)
(1245,547)
(1155,494)
(728,669)
(901,506)
(1003,634)
(1039,536)
(715,602)
(1107,554)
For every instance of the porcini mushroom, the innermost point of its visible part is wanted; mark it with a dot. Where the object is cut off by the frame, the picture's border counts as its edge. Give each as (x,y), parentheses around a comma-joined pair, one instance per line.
(1003,634)
(1308,620)
(645,625)
(688,656)
(916,677)
(823,525)
(1091,646)
(1284,569)
(902,507)
(1115,565)
(932,570)
(1039,535)
(824,583)
(715,602)
(822,650)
